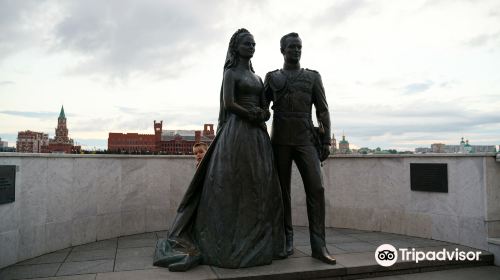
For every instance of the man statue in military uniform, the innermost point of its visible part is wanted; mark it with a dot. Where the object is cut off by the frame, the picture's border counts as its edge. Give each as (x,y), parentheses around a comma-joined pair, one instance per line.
(293,91)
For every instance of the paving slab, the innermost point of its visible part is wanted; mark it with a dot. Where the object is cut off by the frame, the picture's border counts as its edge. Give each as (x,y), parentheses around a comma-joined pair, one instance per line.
(29,271)
(135,252)
(72,277)
(306,249)
(161,234)
(428,243)
(396,243)
(356,247)
(73,268)
(369,236)
(136,242)
(201,272)
(99,245)
(340,238)
(298,253)
(134,263)
(356,263)
(91,255)
(147,235)
(55,257)
(397,240)
(347,230)
(291,268)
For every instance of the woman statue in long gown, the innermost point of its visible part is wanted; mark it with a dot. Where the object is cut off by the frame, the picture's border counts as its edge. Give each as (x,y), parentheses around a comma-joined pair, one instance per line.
(232,213)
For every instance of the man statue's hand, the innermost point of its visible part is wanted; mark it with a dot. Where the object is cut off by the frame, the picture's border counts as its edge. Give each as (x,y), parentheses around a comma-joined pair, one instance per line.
(325,152)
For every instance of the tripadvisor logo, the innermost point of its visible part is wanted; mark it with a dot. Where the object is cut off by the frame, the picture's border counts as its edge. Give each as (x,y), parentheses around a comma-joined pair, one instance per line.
(387,255)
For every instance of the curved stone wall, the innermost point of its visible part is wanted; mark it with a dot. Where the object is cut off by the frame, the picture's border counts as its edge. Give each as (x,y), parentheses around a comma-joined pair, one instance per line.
(68,200)
(373,193)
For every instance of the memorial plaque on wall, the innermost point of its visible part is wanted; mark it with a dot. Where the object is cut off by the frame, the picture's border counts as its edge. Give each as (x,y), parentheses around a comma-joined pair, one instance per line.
(429,177)
(7,183)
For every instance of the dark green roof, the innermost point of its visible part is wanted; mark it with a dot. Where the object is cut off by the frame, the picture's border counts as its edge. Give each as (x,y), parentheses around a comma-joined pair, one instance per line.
(61,115)
(343,141)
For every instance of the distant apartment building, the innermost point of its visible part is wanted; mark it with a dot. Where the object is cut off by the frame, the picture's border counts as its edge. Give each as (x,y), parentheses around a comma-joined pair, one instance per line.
(3,143)
(463,148)
(423,150)
(438,148)
(4,146)
(171,142)
(31,141)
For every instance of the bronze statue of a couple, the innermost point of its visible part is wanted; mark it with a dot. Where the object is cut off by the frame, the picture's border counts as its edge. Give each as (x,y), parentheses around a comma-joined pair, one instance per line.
(237,210)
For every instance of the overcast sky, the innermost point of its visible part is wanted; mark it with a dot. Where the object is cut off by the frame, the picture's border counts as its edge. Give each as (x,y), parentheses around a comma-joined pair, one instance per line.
(397,74)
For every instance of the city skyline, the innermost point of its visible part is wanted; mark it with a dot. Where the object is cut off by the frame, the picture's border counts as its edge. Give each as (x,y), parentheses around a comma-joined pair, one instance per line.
(397,75)
(334,142)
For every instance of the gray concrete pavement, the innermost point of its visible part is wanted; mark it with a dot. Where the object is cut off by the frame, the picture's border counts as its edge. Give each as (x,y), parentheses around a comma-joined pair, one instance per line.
(130,257)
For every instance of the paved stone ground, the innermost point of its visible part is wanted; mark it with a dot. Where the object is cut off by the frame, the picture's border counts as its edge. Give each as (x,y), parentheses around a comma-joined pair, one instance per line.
(130,257)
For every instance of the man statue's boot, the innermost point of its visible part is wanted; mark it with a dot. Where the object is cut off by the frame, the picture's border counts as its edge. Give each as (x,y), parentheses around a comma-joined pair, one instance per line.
(319,250)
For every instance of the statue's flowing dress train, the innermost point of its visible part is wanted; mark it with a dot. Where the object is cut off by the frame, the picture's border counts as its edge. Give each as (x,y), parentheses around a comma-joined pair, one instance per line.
(232,213)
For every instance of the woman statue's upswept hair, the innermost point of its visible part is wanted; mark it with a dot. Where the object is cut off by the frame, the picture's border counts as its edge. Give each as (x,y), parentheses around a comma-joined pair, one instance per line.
(232,59)
(232,53)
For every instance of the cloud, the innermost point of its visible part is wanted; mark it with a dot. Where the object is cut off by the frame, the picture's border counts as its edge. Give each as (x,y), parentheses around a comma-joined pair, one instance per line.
(27,114)
(399,85)
(418,87)
(127,110)
(17,28)
(130,119)
(340,11)
(6,83)
(483,40)
(118,37)
(113,38)
(422,118)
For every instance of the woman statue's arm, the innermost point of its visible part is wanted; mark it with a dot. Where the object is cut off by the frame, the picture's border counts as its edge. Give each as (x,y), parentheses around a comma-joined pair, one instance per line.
(264,105)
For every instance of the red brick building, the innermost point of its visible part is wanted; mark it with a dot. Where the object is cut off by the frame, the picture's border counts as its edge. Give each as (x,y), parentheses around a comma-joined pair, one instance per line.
(170,142)
(31,141)
(61,142)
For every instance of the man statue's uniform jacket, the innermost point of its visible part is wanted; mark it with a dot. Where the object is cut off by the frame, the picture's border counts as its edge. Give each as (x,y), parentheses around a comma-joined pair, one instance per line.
(294,139)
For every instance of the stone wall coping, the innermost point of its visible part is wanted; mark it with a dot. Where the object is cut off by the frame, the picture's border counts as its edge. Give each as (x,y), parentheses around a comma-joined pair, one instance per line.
(40,155)
(43,155)
(418,155)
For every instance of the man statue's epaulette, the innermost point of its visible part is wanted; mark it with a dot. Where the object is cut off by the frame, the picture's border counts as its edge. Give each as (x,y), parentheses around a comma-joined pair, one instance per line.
(268,75)
(312,70)
(276,80)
